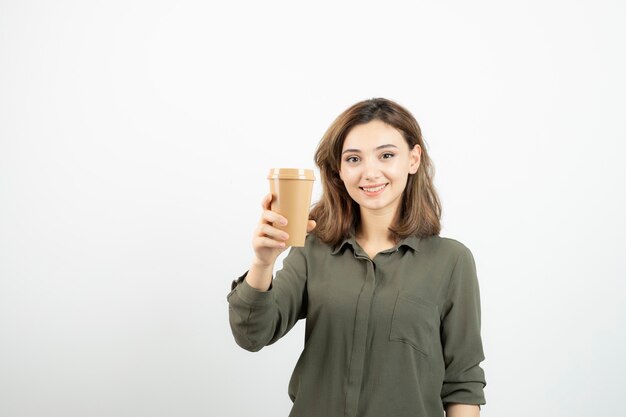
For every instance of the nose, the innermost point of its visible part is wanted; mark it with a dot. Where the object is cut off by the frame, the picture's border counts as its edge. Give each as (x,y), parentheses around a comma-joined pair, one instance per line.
(371,170)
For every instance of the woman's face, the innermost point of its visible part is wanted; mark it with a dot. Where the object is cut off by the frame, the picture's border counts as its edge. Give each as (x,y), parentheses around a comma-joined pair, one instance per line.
(375,165)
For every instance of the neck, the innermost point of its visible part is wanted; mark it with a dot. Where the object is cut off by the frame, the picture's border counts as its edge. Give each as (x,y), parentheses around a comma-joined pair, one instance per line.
(374,226)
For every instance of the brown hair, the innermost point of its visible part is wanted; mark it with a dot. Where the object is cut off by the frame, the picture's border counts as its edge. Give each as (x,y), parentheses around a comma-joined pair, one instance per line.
(337,214)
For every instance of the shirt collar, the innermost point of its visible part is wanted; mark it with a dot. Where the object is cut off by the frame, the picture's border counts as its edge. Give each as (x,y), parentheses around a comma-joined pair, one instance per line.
(410,241)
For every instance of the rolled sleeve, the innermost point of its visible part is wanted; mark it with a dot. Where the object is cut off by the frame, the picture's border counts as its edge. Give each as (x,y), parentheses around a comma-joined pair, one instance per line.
(464,379)
(259,318)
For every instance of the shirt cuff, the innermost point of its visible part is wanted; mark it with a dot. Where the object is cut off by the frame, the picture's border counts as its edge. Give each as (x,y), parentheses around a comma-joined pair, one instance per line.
(251,295)
(469,392)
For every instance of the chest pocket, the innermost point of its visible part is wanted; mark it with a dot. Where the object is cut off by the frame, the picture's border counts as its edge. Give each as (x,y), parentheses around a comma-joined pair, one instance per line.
(415,322)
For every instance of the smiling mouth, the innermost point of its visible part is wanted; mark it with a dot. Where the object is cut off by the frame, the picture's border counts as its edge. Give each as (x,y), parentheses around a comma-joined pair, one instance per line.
(373,189)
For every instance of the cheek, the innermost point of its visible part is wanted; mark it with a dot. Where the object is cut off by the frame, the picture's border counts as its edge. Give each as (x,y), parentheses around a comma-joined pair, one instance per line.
(401,170)
(346,176)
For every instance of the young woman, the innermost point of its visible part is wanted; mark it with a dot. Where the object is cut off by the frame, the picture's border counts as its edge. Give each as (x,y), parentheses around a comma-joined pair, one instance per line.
(392,309)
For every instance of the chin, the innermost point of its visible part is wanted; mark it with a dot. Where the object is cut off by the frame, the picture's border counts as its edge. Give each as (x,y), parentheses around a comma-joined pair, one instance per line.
(373,204)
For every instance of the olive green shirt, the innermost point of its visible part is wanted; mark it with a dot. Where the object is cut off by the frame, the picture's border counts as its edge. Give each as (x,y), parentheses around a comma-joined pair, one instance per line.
(397,335)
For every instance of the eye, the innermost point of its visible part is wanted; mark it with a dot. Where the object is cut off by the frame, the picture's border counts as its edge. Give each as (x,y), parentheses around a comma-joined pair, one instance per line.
(348,159)
(390,155)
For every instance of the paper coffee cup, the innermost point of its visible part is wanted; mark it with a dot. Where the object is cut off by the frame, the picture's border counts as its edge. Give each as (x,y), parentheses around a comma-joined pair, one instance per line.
(291,190)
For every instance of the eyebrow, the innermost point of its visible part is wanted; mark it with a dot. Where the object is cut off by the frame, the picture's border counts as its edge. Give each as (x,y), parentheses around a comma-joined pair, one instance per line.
(378,147)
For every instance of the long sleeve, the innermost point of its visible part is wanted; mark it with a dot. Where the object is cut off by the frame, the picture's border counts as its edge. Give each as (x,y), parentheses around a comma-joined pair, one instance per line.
(260,318)
(464,379)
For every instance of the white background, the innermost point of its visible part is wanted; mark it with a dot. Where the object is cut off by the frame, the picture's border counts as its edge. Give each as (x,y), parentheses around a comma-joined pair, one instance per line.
(135,137)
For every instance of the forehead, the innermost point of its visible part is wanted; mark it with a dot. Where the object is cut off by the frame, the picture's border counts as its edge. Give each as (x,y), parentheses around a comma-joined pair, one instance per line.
(372,134)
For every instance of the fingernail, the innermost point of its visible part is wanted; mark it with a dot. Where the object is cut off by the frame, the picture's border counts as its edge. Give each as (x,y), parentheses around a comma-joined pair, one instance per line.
(283,222)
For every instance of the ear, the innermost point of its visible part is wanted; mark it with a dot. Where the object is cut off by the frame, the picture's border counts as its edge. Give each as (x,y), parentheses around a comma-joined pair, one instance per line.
(415,157)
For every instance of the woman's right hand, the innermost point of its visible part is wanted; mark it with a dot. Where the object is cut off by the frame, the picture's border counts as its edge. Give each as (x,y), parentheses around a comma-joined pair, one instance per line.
(268,241)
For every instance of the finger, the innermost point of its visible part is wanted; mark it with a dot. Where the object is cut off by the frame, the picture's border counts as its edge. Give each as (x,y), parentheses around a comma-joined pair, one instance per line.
(270,231)
(271,243)
(267,201)
(275,218)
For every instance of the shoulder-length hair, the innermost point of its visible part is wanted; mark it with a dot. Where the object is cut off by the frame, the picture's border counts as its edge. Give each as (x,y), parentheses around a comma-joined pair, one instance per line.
(337,214)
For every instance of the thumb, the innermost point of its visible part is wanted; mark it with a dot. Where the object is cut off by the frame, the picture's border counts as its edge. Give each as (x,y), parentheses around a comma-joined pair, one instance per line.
(310,225)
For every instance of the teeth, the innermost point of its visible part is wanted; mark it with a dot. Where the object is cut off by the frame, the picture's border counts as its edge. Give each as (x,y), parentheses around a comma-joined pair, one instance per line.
(373,190)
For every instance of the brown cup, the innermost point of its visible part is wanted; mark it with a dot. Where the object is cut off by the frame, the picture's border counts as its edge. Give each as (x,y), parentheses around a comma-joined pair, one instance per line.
(291,197)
